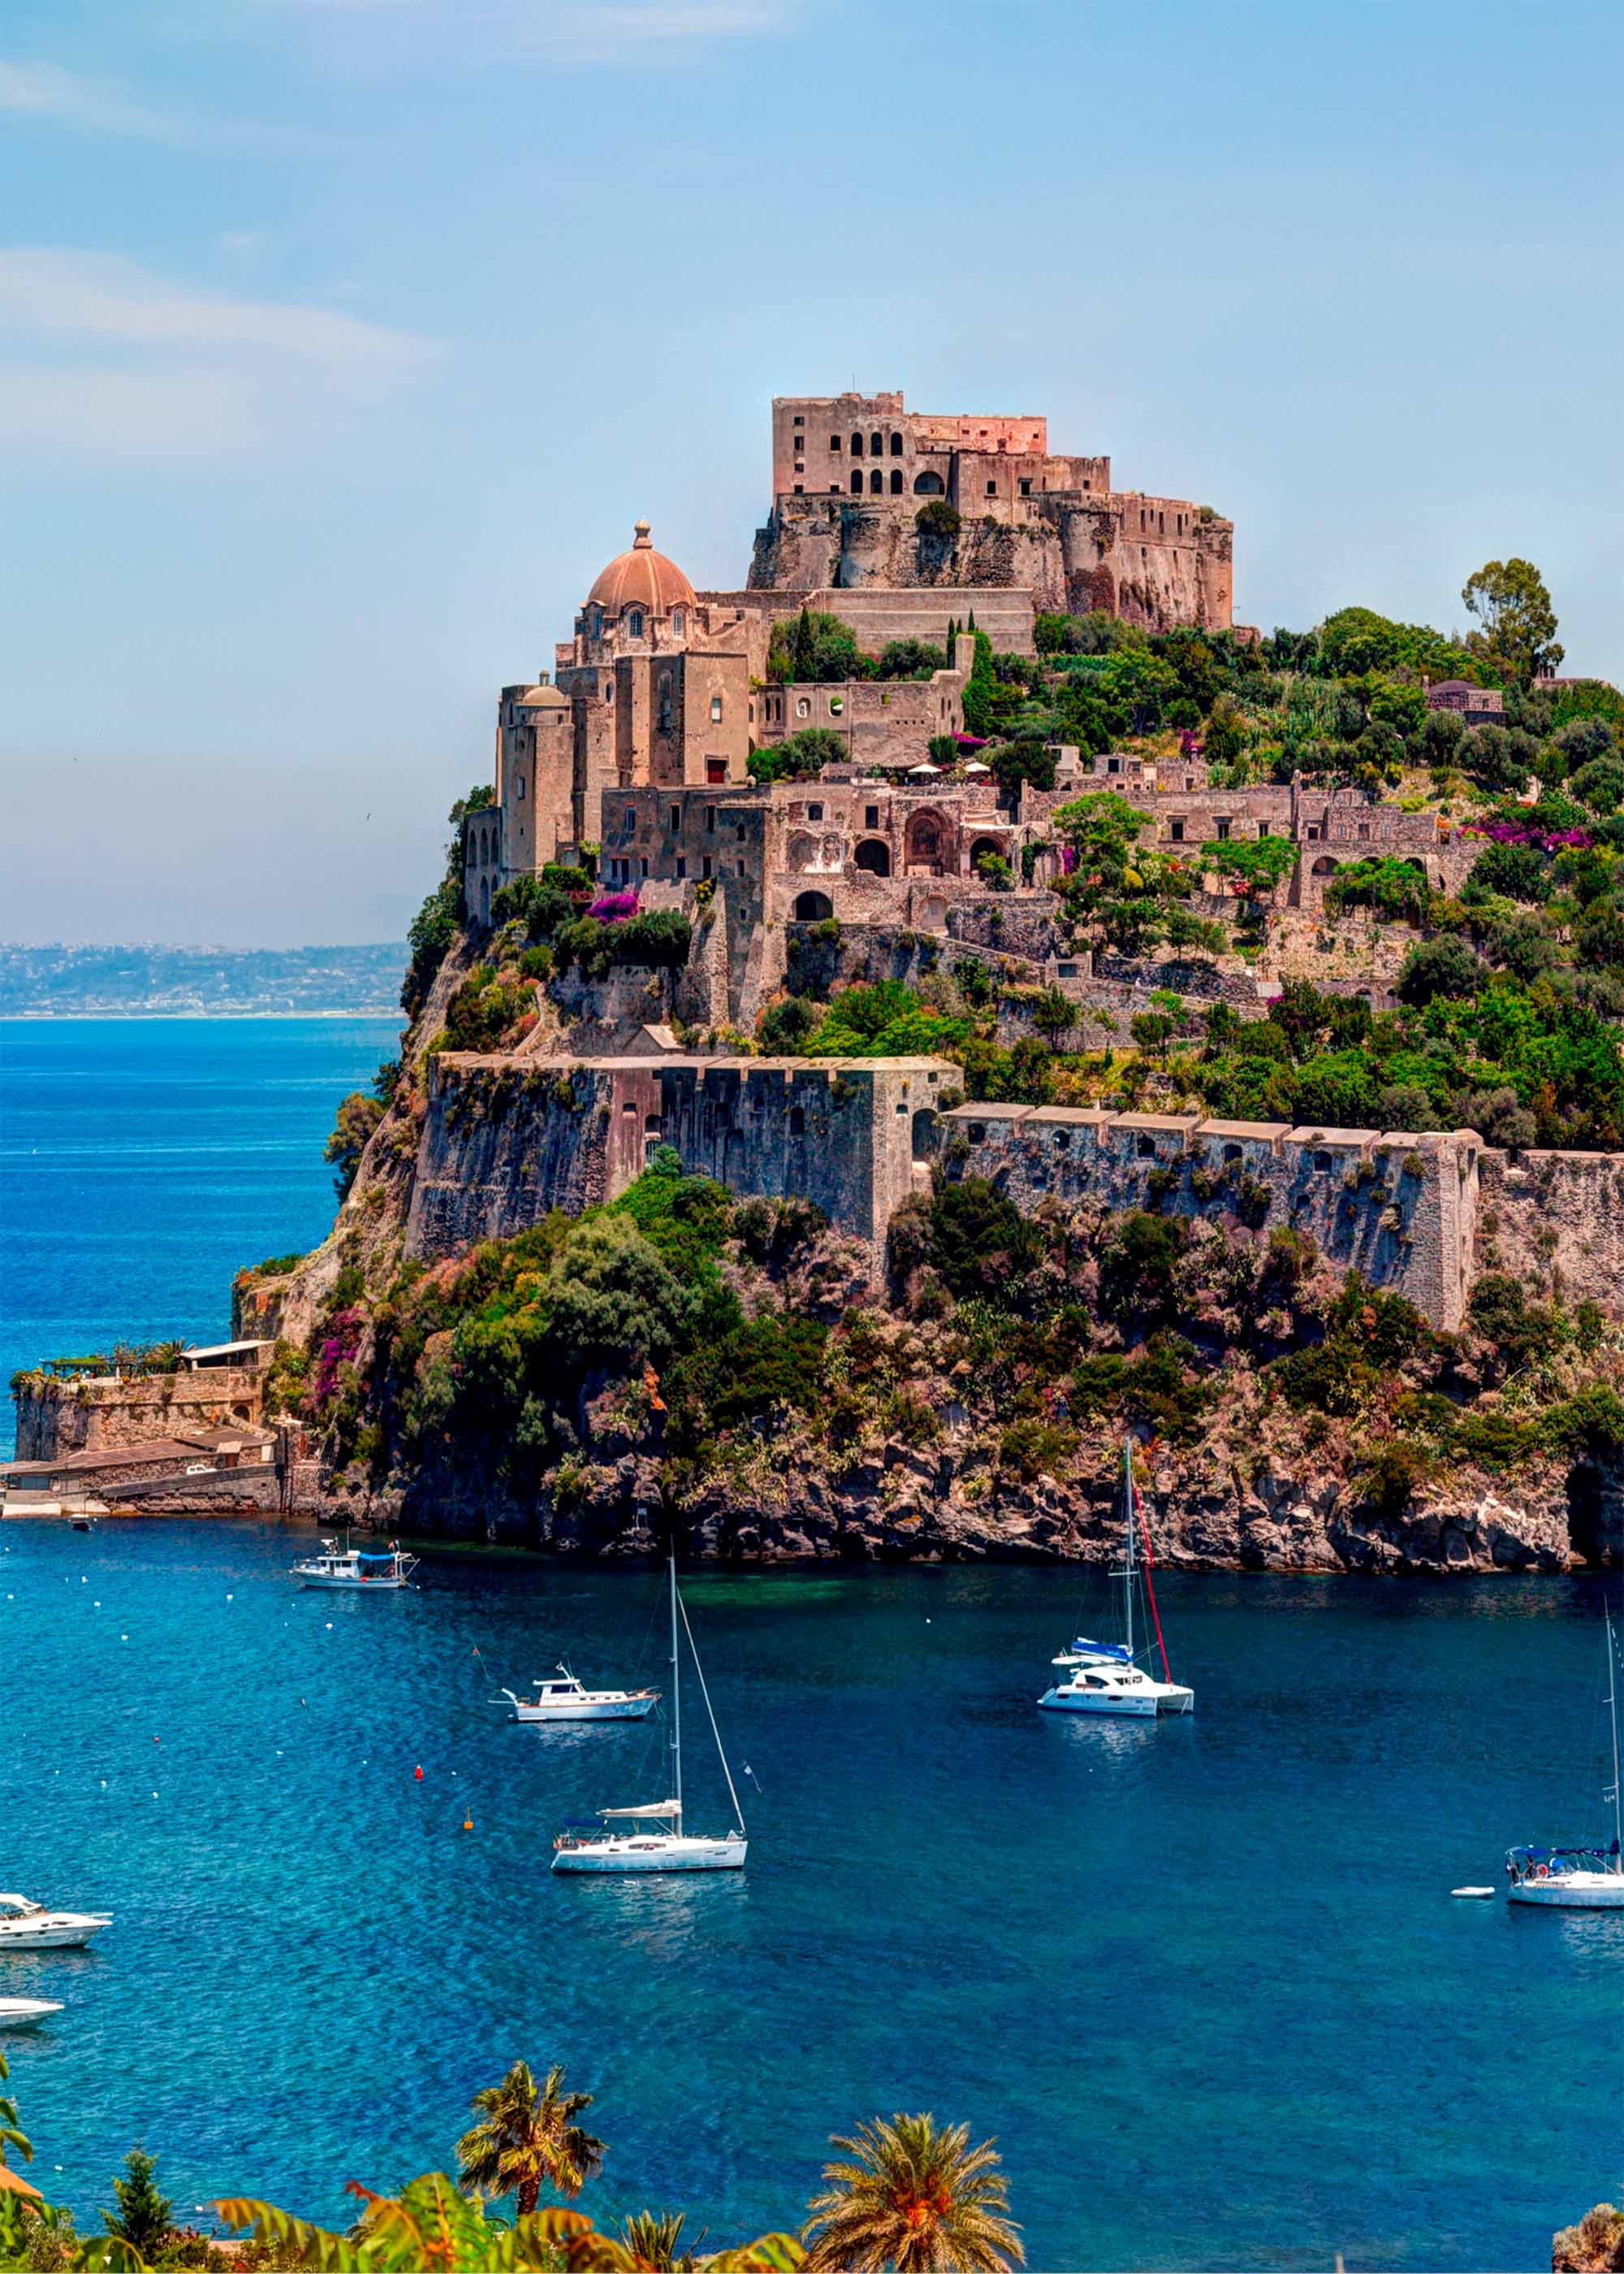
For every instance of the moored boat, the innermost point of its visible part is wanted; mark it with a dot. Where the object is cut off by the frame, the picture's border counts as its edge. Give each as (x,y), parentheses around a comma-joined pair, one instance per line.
(357,1569)
(1106,1678)
(27,1926)
(657,1841)
(566,1698)
(1578,1877)
(27,2013)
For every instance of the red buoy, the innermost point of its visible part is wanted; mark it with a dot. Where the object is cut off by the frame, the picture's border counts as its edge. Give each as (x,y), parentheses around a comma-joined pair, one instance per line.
(419,1775)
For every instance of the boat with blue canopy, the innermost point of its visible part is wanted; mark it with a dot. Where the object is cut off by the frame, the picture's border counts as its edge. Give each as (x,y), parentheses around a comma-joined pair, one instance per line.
(357,1571)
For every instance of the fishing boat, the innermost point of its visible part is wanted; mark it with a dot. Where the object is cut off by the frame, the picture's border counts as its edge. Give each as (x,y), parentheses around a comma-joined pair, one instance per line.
(1106,1678)
(27,1926)
(655,1840)
(1578,1878)
(27,2013)
(564,1697)
(357,1569)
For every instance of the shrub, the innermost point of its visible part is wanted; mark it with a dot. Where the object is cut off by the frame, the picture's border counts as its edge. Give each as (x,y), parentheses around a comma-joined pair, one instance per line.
(939,520)
(785,1028)
(1136,1270)
(1440,966)
(799,757)
(980,1241)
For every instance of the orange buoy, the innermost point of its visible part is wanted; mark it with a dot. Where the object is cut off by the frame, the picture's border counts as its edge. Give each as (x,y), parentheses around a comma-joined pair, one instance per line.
(468,1824)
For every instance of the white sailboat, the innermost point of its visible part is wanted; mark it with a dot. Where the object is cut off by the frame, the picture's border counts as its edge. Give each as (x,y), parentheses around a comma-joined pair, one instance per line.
(1578,1878)
(1106,1678)
(656,1840)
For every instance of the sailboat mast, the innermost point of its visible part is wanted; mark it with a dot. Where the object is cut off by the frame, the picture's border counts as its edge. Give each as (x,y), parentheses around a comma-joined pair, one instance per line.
(676,1697)
(1612,1709)
(1127,1569)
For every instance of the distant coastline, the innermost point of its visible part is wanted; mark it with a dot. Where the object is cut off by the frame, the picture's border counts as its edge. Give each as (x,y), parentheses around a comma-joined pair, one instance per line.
(144,981)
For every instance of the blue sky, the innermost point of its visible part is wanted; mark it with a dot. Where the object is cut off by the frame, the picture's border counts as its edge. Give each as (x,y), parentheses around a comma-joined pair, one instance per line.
(342,341)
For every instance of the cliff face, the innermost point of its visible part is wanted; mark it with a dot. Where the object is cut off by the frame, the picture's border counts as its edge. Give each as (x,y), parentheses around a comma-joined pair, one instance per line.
(1071,554)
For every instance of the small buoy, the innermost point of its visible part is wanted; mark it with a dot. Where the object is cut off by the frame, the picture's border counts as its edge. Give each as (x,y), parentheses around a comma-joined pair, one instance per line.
(1479,1895)
(157,1741)
(279,1752)
(419,1774)
(468,1824)
(329,1626)
(230,1599)
(123,1637)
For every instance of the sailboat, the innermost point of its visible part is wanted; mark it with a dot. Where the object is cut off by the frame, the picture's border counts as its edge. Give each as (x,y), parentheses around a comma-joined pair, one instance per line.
(1105,1677)
(656,1840)
(1578,1878)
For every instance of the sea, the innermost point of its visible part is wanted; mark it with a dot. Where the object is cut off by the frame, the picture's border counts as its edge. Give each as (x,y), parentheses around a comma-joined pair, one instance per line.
(1203,1980)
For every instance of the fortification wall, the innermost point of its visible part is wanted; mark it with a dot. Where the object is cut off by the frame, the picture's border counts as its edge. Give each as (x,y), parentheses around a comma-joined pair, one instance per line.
(502,1145)
(1396,1207)
(55,1418)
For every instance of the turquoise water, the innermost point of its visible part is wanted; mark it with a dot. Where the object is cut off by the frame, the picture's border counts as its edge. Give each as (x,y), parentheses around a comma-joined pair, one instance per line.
(143,1161)
(1204,1979)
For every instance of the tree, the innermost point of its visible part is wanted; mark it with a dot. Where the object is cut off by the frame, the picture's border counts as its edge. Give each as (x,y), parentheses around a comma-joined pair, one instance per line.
(913,2196)
(815,647)
(144,2217)
(526,2139)
(1440,966)
(613,1298)
(358,1115)
(799,757)
(1511,603)
(910,658)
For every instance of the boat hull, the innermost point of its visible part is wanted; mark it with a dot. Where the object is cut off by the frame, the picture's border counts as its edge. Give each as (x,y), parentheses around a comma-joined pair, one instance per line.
(616,1709)
(1120,1704)
(352,1586)
(25,2013)
(68,1934)
(603,1858)
(1572,1891)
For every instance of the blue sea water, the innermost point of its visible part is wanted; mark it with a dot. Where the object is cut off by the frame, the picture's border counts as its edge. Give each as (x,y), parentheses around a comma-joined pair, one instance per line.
(144,1161)
(1203,1979)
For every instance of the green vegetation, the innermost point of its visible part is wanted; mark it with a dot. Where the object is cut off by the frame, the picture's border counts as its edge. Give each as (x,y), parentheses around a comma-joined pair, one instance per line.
(798,758)
(527,2139)
(914,2196)
(434,927)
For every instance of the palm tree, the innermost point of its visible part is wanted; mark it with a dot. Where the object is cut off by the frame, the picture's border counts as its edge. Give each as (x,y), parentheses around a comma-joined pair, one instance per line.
(915,2196)
(649,2239)
(527,2137)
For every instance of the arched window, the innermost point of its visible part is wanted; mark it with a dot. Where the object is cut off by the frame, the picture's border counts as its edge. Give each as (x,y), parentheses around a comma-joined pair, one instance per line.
(857,445)
(813,907)
(928,484)
(857,482)
(876,446)
(798,1121)
(877,482)
(896,481)
(634,623)
(874,855)
(984,848)
(598,623)
(678,620)
(896,445)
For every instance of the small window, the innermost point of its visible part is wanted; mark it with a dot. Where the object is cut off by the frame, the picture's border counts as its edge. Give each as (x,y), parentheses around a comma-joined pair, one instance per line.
(1322,1162)
(716,710)
(1144,1147)
(992,489)
(634,624)
(834,442)
(857,445)
(803,706)
(630,819)
(1062,1140)
(797,1121)
(978,1133)
(815,813)
(1232,1153)
(676,819)
(1222,824)
(896,445)
(1177,831)
(645,864)
(837,703)
(1026,487)
(518,786)
(678,620)
(681,868)
(716,771)
(871,817)
(710,819)
(704,866)
(876,446)
(857,481)
(800,421)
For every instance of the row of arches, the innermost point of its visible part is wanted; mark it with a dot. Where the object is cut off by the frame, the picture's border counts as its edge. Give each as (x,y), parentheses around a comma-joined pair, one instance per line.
(925,486)
(483,845)
(877,444)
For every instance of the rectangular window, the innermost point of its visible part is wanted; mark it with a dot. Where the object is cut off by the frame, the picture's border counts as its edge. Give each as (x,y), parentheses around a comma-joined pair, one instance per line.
(871,817)
(676,819)
(710,819)
(1222,826)
(992,489)
(706,865)
(716,710)
(834,443)
(1177,831)
(645,864)
(520,785)
(681,868)
(1026,488)
(631,818)
(815,813)
(716,771)
(800,421)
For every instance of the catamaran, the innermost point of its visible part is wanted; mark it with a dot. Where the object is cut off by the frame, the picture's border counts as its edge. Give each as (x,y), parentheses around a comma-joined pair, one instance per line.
(1578,1878)
(656,1840)
(355,1570)
(1106,1678)
(566,1698)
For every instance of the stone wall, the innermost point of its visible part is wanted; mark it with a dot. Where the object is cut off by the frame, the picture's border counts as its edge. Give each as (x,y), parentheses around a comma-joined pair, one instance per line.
(1556,1220)
(57,1418)
(1396,1207)
(502,1144)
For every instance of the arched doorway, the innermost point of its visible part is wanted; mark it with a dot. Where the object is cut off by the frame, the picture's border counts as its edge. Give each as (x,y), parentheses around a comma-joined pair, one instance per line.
(813,907)
(988,847)
(928,484)
(924,843)
(874,855)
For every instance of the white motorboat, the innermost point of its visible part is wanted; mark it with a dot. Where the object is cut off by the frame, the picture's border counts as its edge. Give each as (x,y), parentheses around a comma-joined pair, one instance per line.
(27,1926)
(656,1840)
(25,2013)
(357,1569)
(566,1698)
(1105,1677)
(1578,1878)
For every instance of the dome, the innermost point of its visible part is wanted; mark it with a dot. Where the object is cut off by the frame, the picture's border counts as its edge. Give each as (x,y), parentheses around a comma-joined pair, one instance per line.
(642,578)
(541,698)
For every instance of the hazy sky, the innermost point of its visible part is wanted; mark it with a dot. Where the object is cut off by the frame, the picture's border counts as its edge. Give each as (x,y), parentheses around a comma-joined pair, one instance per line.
(342,341)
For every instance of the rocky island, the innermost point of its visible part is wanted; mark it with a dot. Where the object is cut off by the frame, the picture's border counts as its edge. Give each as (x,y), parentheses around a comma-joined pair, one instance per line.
(888,1030)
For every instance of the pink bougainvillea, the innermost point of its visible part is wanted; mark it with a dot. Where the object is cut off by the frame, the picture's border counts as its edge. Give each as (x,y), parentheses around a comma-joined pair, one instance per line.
(1520,832)
(614,907)
(338,1351)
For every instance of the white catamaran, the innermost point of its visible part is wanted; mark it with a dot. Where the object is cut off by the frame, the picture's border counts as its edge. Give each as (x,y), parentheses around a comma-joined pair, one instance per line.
(656,1840)
(1105,1677)
(1578,1878)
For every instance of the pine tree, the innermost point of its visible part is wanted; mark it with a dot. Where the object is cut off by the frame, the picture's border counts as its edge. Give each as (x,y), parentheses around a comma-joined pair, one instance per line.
(144,2218)
(803,655)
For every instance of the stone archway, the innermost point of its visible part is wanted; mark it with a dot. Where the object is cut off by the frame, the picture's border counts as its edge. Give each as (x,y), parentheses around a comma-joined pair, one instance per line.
(813,907)
(873,855)
(925,843)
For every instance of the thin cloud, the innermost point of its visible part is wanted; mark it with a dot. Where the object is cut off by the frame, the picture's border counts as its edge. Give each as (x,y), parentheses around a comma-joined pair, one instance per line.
(111,361)
(43,91)
(620,32)
(61,293)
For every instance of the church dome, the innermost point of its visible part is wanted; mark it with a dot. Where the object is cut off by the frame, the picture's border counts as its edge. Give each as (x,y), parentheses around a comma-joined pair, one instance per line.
(642,578)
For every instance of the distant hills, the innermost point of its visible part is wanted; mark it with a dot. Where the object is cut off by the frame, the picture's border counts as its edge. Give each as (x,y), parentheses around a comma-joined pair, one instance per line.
(199,982)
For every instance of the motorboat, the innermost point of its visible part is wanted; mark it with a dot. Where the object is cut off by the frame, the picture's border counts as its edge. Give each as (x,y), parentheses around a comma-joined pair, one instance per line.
(27,1926)
(1584,1877)
(656,1840)
(357,1570)
(1106,1678)
(564,1697)
(27,2013)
